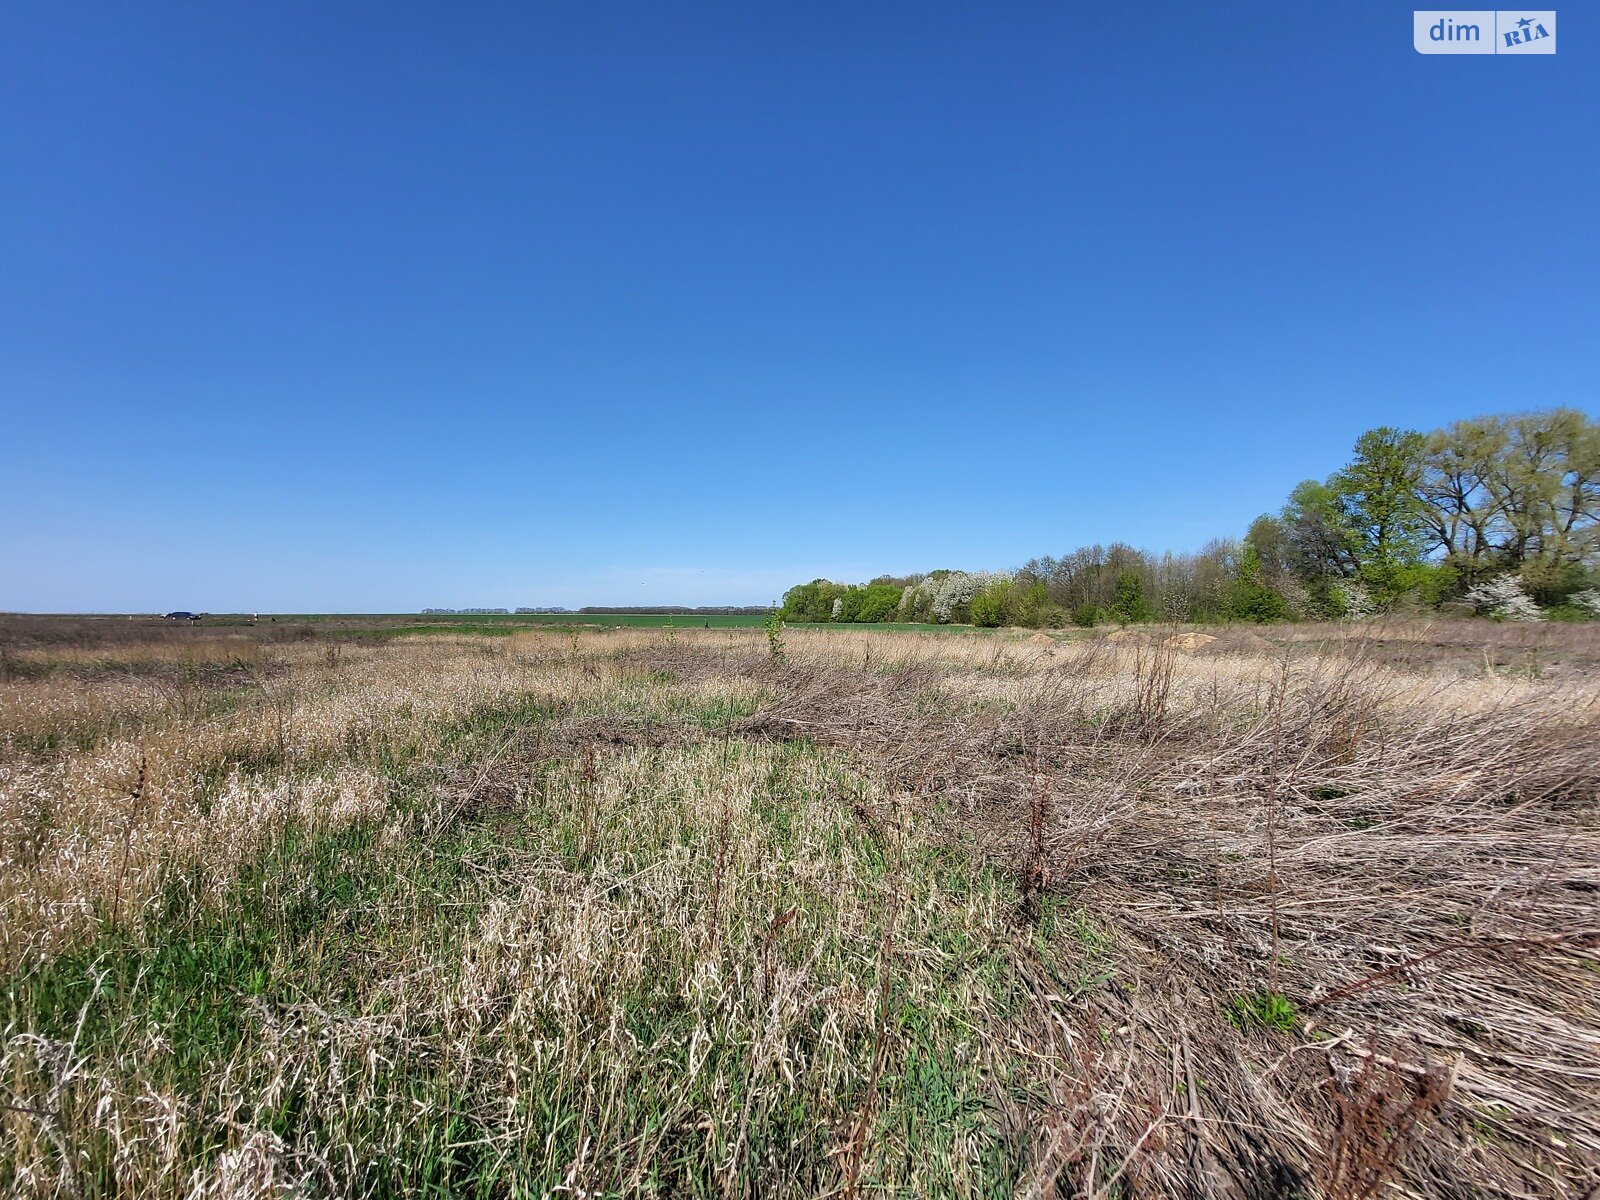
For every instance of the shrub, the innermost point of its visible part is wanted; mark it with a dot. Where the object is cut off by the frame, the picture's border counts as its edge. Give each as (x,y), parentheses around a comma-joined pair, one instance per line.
(1087,615)
(989,605)
(1432,583)
(826,600)
(1252,600)
(1587,602)
(1351,600)
(1504,599)
(1249,597)
(1566,612)
(1551,580)
(1030,606)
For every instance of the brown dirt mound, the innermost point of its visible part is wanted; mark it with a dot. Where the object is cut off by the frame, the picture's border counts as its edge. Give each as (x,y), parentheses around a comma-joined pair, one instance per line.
(1238,641)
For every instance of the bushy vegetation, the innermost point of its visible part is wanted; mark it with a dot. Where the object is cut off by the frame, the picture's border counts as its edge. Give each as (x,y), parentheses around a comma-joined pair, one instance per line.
(1413,521)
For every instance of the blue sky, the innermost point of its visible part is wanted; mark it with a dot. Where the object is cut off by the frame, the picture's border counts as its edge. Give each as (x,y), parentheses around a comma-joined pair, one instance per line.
(337,307)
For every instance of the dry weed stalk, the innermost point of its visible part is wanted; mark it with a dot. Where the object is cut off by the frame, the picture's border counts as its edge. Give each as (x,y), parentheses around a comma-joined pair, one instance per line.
(1379,1110)
(128,820)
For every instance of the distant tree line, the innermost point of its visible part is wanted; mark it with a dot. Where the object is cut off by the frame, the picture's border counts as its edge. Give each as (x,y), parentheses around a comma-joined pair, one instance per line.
(759,610)
(665,610)
(1495,515)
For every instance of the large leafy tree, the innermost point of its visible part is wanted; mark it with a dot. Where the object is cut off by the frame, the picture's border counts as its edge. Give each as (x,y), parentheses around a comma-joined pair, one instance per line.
(1462,511)
(1516,493)
(1378,497)
(1321,544)
(1268,536)
(812,601)
(871,603)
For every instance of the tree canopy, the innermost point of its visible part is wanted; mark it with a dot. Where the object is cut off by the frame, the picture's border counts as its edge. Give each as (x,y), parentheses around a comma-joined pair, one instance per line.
(1412,519)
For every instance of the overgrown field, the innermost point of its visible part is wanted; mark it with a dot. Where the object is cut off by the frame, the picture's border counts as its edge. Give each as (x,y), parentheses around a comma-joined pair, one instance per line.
(685,913)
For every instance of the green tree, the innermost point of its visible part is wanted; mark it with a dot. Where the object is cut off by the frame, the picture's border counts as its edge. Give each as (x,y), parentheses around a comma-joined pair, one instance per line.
(872,603)
(812,601)
(1130,607)
(1250,597)
(1268,536)
(798,601)
(1519,492)
(989,604)
(1028,605)
(1378,498)
(1462,510)
(1321,544)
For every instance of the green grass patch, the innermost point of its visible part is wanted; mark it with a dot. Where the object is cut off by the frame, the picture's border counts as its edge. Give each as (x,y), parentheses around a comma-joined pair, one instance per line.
(590,970)
(1263,1010)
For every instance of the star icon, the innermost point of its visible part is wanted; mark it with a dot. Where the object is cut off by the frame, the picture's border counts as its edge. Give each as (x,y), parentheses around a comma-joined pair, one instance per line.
(1525,22)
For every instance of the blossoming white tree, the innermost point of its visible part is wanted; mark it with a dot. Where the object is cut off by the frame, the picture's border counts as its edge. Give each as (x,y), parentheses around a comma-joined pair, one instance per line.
(1505,599)
(949,593)
(1588,600)
(1355,601)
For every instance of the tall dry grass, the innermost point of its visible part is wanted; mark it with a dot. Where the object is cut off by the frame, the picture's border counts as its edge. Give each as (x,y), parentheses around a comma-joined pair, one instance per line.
(649,913)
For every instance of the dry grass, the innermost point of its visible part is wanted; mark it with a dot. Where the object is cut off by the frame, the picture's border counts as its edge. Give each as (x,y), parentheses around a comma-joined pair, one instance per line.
(651,912)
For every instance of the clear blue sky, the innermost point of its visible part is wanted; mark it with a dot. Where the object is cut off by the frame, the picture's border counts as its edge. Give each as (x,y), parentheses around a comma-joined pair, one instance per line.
(339,307)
